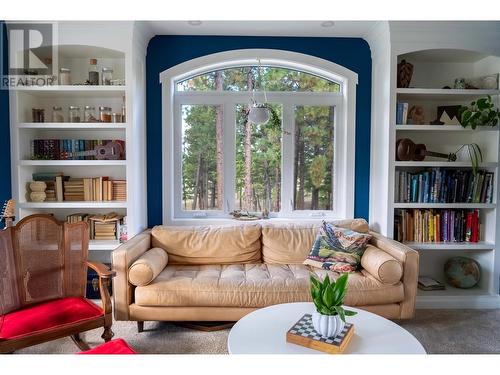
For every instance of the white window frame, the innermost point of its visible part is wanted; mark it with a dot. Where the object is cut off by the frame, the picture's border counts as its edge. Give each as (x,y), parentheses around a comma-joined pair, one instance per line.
(344,138)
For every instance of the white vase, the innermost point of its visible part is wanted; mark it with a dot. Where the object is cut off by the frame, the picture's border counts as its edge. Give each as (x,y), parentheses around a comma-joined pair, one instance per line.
(327,325)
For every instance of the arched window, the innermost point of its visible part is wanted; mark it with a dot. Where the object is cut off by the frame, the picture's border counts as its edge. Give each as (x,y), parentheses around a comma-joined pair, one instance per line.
(299,163)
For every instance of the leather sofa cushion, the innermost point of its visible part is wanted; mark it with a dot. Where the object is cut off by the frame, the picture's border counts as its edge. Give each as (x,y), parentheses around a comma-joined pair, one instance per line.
(217,244)
(381,265)
(253,285)
(147,267)
(290,243)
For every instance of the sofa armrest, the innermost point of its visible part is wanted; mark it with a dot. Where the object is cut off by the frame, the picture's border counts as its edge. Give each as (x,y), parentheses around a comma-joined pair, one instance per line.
(409,259)
(122,257)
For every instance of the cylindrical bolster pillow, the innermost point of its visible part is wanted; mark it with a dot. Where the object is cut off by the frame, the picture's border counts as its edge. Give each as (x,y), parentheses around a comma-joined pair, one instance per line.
(381,265)
(147,267)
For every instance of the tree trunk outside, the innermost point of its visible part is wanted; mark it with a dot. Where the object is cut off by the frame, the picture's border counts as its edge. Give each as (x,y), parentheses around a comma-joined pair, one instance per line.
(219,144)
(197,183)
(330,137)
(315,198)
(247,201)
(277,178)
(300,201)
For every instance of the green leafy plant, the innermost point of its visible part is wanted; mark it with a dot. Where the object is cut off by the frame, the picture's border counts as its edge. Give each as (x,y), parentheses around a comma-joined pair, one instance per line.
(481,112)
(475,155)
(328,296)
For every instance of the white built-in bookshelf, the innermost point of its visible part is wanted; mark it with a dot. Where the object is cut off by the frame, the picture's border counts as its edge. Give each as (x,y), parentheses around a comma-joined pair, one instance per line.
(127,61)
(434,69)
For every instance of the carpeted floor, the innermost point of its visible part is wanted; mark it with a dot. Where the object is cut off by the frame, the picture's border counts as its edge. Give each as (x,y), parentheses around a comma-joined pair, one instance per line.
(439,331)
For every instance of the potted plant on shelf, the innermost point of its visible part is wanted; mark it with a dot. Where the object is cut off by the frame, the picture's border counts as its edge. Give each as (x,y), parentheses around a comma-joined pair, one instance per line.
(328,297)
(481,112)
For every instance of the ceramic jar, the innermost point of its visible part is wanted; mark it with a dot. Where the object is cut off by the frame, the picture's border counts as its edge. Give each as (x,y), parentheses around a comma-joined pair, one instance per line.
(327,325)
(38,191)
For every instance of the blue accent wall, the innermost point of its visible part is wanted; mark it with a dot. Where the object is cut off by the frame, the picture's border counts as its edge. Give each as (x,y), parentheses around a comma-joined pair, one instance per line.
(5,185)
(167,51)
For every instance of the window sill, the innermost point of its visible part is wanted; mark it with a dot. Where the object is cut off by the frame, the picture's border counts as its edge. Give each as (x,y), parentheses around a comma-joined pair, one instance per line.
(227,221)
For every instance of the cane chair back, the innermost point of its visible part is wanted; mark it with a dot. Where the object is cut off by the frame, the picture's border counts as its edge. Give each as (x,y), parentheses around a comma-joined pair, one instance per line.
(42,259)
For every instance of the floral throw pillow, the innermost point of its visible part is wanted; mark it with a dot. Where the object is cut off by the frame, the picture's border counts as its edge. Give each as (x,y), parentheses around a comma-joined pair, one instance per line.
(337,249)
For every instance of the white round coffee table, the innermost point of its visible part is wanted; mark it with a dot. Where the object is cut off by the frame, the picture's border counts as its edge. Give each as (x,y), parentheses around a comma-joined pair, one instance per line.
(264,332)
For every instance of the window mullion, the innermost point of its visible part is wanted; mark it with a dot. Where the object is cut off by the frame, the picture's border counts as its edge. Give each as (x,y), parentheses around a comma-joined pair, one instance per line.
(287,159)
(229,154)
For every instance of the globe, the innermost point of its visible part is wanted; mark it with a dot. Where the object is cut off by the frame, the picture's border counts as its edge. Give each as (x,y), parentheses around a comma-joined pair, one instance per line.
(462,272)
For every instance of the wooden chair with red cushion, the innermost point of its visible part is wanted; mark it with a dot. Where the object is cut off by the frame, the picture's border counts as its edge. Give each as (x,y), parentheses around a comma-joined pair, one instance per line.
(43,277)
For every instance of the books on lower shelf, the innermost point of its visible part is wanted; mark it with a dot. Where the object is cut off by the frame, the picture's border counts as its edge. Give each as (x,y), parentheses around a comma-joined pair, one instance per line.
(401,113)
(111,226)
(68,149)
(428,283)
(438,185)
(424,225)
(63,188)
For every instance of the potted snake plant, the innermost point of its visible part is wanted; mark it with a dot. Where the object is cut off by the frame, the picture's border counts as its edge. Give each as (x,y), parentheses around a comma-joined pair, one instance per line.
(328,297)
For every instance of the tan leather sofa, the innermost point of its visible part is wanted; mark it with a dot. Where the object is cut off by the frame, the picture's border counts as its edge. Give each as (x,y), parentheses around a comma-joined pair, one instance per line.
(221,273)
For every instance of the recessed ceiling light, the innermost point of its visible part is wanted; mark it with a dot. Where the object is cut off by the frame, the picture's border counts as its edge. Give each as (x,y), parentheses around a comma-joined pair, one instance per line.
(327,24)
(194,23)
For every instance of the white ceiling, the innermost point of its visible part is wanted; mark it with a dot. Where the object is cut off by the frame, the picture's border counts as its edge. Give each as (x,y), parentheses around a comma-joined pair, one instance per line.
(262,28)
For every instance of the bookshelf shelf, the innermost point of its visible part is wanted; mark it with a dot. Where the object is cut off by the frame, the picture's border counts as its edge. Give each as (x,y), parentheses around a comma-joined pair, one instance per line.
(103,245)
(73,91)
(444,128)
(72,126)
(441,94)
(445,164)
(84,163)
(451,291)
(74,204)
(451,246)
(446,205)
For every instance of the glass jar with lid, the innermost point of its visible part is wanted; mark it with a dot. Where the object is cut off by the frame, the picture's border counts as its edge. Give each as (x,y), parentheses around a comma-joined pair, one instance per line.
(93,72)
(107,76)
(74,113)
(89,114)
(64,76)
(57,114)
(105,114)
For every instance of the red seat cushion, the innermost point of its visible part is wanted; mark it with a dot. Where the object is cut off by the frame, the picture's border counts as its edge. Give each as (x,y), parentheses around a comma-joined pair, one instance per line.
(118,346)
(47,316)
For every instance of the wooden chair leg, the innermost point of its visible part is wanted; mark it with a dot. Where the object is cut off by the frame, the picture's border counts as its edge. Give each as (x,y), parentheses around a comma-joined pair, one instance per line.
(82,345)
(140,326)
(108,334)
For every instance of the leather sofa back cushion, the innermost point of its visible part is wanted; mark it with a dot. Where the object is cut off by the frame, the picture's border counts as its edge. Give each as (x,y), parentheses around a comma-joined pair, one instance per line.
(147,267)
(290,243)
(381,265)
(211,244)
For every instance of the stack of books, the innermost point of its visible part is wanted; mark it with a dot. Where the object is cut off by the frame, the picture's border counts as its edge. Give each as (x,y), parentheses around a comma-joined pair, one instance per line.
(50,192)
(73,189)
(119,190)
(75,218)
(436,185)
(428,283)
(64,149)
(111,226)
(423,225)
(89,189)
(401,113)
(105,227)
(104,231)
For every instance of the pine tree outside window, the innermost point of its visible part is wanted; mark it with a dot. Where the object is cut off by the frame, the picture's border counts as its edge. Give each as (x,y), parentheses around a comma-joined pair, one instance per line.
(294,166)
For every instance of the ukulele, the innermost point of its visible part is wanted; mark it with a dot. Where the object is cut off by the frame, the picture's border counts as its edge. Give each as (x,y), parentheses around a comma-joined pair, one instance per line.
(110,151)
(407,150)
(8,214)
